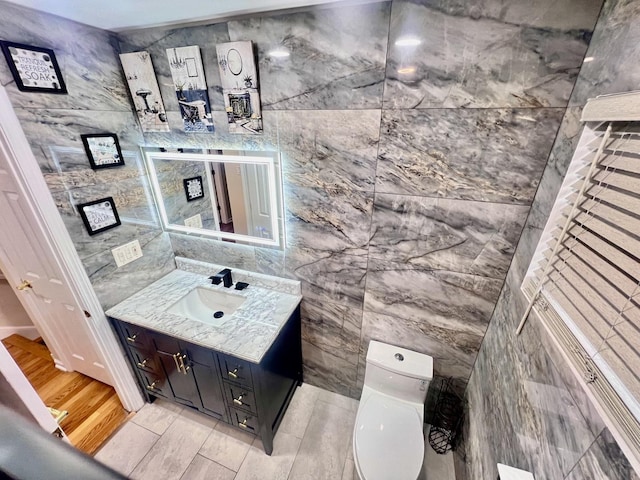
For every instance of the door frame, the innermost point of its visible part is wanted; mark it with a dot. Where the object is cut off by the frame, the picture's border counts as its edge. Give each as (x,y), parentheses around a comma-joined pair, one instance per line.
(56,240)
(23,389)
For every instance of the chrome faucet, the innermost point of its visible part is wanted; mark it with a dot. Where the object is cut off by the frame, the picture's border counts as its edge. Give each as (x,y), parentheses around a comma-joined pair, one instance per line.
(222,276)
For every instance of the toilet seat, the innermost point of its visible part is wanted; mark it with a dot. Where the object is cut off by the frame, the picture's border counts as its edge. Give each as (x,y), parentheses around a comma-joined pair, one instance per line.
(388,439)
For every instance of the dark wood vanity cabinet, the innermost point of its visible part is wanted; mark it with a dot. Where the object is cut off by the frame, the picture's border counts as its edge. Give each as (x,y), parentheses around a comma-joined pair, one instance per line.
(251,396)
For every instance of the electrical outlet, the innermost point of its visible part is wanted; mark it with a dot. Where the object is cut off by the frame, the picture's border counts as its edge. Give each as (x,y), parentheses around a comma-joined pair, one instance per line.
(193,222)
(127,253)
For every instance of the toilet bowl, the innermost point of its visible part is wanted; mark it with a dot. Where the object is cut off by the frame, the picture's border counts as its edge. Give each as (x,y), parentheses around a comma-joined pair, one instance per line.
(388,440)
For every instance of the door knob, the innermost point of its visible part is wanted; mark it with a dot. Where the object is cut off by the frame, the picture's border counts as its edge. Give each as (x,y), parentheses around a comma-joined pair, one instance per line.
(24,285)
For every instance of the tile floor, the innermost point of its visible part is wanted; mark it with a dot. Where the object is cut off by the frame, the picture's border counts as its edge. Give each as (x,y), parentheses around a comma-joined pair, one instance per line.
(167,441)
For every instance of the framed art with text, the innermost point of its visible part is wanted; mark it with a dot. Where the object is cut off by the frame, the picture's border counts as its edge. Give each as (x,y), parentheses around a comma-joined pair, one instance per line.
(103,150)
(99,215)
(34,69)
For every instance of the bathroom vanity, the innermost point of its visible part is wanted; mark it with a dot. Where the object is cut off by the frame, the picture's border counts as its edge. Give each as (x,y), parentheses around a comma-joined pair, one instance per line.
(242,369)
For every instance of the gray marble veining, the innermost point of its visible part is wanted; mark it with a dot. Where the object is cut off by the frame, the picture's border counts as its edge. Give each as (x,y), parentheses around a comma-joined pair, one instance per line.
(613,64)
(49,131)
(329,276)
(327,370)
(247,333)
(486,54)
(462,236)
(329,149)
(86,56)
(604,461)
(334,220)
(213,251)
(113,284)
(458,302)
(332,328)
(547,424)
(336,61)
(491,155)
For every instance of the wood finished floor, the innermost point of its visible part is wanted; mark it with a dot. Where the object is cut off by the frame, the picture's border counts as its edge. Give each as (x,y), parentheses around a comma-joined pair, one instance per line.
(95,411)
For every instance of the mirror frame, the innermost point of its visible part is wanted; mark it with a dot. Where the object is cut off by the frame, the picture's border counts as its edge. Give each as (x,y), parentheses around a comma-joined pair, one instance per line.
(269,159)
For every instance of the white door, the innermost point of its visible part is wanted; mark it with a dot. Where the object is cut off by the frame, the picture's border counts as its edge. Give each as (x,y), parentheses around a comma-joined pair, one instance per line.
(45,293)
(255,181)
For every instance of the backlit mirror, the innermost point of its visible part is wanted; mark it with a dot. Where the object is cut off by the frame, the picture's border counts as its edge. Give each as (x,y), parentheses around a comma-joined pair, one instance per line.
(227,194)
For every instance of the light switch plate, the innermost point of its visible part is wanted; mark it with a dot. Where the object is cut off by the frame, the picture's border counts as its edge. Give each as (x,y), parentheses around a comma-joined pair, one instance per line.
(127,253)
(193,222)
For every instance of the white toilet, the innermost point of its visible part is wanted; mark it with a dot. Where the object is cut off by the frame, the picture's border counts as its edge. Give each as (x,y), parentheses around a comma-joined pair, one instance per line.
(388,442)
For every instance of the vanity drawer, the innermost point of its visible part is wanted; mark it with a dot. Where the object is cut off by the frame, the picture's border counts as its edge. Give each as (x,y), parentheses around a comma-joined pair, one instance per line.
(239,397)
(235,370)
(155,384)
(144,360)
(244,420)
(135,336)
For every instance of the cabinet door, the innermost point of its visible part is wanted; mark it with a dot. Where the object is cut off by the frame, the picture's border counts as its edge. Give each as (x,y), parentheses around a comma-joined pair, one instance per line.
(181,381)
(205,370)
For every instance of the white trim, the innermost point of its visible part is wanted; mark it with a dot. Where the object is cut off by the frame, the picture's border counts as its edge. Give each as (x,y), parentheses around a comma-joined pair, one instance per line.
(47,216)
(28,332)
(21,386)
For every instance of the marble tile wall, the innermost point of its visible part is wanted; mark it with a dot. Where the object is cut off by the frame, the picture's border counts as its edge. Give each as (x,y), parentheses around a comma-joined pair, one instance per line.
(97,102)
(525,407)
(408,171)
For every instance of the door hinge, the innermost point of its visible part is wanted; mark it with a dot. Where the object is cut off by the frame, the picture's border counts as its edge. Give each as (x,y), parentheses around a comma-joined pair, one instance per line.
(58,433)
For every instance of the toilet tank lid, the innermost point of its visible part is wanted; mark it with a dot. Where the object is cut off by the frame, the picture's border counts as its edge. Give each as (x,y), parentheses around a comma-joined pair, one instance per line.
(413,364)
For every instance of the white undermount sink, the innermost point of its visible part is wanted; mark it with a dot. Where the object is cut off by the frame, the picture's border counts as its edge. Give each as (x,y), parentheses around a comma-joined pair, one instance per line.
(212,307)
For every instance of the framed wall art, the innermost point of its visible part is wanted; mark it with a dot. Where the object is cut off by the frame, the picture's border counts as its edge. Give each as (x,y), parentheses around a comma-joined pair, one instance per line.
(193,188)
(99,215)
(141,79)
(239,79)
(103,150)
(190,83)
(35,69)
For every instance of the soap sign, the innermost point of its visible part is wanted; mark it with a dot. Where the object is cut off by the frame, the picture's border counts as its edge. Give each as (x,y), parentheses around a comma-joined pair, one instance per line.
(34,69)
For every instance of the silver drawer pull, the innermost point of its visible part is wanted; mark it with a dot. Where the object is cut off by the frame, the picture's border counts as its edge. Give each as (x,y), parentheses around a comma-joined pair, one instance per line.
(243,424)
(143,363)
(238,401)
(233,374)
(132,338)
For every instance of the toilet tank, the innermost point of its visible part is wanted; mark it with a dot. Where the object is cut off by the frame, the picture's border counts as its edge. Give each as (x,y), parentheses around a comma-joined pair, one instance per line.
(398,372)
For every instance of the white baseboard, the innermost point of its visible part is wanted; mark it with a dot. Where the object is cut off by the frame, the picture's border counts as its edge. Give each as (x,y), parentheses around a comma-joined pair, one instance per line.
(29,332)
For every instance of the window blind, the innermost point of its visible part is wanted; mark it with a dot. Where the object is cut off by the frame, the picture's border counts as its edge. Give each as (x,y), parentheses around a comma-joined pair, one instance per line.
(584,278)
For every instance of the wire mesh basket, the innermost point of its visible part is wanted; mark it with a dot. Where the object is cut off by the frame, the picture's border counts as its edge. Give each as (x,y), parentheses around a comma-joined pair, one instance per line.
(446,420)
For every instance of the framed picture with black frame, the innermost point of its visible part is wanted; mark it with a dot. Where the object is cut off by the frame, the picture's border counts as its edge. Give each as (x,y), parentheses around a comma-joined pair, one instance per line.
(99,215)
(35,69)
(193,188)
(103,150)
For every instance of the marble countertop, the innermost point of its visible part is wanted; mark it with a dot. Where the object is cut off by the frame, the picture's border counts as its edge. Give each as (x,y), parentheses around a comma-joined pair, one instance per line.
(247,333)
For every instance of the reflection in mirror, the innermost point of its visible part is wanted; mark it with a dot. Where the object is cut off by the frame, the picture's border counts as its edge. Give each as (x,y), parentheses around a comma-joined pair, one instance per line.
(232,195)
